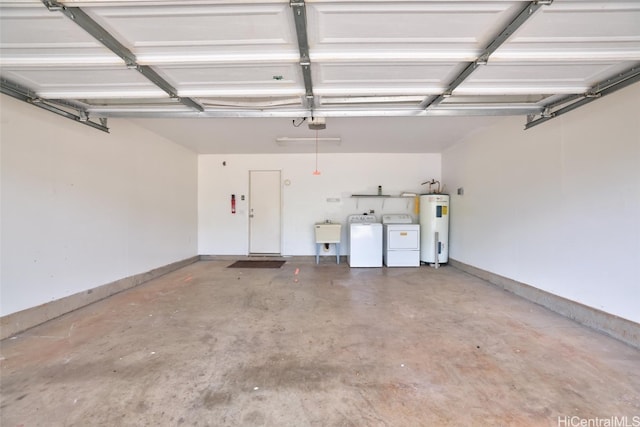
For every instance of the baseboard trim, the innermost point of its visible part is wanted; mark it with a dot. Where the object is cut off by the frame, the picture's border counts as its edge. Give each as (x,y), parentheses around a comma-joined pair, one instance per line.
(20,321)
(609,324)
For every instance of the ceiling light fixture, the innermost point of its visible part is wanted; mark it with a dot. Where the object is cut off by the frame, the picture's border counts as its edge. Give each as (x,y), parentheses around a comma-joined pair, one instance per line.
(285,141)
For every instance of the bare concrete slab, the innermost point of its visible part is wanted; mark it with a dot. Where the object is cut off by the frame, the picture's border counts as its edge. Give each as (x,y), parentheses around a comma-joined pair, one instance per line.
(328,346)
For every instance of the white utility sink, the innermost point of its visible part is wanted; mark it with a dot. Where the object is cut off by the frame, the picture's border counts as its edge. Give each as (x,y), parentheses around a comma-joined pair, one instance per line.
(327,232)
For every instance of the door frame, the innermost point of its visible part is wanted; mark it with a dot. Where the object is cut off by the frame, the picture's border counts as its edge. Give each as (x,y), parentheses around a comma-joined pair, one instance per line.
(280,219)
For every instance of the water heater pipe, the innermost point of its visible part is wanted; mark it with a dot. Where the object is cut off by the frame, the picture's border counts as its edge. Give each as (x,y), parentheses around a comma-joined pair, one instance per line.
(436,244)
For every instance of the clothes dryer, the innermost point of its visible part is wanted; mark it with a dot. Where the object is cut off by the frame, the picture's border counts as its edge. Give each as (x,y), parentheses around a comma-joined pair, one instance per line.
(401,241)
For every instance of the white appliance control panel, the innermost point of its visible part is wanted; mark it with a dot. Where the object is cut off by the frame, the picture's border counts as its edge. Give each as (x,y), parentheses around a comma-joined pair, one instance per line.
(397,219)
(364,219)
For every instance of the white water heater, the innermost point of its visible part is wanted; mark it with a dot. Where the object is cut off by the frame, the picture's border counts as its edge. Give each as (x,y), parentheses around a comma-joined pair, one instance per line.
(434,228)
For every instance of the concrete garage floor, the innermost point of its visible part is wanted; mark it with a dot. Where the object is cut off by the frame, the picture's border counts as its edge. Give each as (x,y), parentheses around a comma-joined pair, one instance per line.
(212,346)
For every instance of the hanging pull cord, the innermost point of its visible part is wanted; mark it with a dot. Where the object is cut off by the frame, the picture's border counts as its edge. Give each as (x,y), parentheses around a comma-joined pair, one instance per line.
(316,172)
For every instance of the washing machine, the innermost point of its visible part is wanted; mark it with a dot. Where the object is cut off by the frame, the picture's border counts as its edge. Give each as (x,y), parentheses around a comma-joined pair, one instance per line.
(365,241)
(401,241)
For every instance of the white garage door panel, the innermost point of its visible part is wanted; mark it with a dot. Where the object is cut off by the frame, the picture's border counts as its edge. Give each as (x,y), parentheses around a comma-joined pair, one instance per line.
(537,77)
(380,78)
(578,30)
(198,29)
(244,58)
(583,22)
(35,36)
(84,82)
(223,76)
(434,26)
(419,73)
(31,27)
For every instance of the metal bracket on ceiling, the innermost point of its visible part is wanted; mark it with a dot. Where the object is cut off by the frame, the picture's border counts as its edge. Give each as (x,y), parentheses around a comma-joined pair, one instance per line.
(26,95)
(300,19)
(87,23)
(53,6)
(603,88)
(525,13)
(483,60)
(547,113)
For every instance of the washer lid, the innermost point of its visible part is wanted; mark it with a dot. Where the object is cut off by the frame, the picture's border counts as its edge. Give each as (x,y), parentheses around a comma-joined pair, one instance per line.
(397,219)
(362,219)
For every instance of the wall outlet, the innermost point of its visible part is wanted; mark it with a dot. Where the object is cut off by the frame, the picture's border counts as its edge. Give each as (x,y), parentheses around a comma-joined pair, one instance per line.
(333,200)
(460,191)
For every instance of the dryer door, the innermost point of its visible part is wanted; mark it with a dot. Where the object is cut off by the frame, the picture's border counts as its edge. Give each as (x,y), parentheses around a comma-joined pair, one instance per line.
(401,238)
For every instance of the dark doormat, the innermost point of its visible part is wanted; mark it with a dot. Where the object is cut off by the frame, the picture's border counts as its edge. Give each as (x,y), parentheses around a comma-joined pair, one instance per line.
(257,264)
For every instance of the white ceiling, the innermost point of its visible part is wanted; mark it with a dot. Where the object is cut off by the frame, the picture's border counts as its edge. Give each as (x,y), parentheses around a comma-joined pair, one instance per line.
(357,134)
(375,66)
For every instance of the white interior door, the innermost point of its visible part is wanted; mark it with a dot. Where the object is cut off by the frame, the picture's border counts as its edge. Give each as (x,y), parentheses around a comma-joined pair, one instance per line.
(264,212)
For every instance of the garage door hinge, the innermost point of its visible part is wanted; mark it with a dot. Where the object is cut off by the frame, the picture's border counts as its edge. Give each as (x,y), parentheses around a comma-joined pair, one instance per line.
(53,6)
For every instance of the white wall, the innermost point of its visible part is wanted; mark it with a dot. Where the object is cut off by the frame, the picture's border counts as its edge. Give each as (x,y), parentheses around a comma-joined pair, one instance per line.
(81,208)
(304,201)
(556,206)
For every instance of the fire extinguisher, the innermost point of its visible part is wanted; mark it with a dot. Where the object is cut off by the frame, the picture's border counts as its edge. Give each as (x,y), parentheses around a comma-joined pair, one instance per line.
(233,203)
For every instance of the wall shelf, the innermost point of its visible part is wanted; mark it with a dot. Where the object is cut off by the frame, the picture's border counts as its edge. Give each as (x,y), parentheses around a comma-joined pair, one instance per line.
(379,196)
